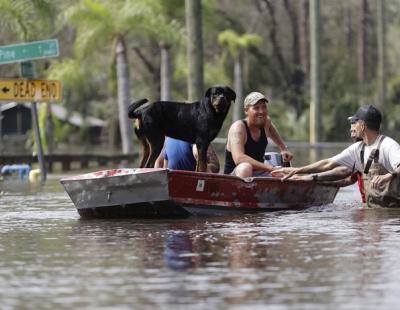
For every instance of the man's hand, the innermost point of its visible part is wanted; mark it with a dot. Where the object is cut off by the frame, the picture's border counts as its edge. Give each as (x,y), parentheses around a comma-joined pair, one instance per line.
(287,155)
(284,173)
(379,181)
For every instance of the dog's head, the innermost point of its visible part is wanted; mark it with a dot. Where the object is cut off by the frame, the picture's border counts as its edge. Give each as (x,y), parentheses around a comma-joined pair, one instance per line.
(220,98)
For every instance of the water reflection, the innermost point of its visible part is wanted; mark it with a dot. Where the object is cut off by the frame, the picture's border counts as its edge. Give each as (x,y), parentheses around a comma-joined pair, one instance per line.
(178,253)
(339,255)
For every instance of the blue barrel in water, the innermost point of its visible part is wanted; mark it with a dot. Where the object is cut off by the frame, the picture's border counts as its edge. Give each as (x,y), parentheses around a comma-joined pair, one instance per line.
(16,172)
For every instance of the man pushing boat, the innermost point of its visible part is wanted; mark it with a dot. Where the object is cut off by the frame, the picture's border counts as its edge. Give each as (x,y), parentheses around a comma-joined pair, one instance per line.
(377,157)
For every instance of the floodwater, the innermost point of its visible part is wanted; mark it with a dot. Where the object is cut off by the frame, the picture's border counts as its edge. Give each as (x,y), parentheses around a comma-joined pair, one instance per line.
(338,256)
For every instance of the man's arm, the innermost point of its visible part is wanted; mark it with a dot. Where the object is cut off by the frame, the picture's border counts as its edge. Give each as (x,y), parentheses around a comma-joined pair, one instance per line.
(276,137)
(379,180)
(159,161)
(236,140)
(319,166)
(339,176)
(212,159)
(393,157)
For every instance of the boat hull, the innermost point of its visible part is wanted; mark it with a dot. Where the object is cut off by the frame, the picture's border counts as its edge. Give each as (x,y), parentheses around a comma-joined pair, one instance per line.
(165,193)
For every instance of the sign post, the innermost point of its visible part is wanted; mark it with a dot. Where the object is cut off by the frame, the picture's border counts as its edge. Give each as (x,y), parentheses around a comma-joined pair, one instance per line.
(27,71)
(27,90)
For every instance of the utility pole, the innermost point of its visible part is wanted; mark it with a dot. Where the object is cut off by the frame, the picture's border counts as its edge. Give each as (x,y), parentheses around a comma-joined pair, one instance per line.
(315,111)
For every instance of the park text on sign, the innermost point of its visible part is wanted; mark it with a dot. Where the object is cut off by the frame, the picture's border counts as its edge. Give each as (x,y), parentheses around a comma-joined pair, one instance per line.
(28,51)
(21,90)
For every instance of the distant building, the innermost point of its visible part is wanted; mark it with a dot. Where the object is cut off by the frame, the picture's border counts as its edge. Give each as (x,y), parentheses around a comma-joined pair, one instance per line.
(17,120)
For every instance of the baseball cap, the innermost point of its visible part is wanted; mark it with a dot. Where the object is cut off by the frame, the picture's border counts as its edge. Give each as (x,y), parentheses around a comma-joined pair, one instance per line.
(368,114)
(253,98)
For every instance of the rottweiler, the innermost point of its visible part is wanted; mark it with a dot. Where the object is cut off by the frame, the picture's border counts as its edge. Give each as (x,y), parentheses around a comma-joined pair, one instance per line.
(198,123)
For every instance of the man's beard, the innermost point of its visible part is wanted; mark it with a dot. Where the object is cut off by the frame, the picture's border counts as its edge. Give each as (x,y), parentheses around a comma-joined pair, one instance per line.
(356,139)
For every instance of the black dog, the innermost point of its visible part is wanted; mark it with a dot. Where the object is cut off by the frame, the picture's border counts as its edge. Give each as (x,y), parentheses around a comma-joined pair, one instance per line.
(198,122)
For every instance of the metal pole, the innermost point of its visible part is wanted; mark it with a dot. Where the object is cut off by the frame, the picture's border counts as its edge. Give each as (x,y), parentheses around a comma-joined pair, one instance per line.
(35,125)
(1,132)
(27,71)
(315,115)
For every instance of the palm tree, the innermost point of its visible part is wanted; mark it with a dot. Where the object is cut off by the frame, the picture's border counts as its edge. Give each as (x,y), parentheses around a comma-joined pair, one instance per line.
(194,49)
(237,44)
(28,20)
(102,24)
(107,23)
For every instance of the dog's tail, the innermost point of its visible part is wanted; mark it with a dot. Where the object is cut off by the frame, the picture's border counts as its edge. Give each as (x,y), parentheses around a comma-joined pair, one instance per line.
(134,110)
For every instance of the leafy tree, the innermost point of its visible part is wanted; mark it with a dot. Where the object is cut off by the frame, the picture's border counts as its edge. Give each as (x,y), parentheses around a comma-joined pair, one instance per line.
(236,45)
(101,24)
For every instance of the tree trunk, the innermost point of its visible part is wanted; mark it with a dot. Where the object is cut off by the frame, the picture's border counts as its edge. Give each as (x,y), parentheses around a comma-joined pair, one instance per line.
(304,39)
(272,23)
(362,48)
(381,33)
(153,67)
(123,95)
(165,72)
(348,26)
(194,49)
(49,130)
(238,81)
(315,116)
(295,31)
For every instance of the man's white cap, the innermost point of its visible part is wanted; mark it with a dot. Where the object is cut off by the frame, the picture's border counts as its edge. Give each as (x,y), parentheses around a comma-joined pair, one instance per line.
(253,98)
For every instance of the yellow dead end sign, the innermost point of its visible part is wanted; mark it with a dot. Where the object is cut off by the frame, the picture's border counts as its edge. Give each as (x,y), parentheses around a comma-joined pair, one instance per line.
(23,90)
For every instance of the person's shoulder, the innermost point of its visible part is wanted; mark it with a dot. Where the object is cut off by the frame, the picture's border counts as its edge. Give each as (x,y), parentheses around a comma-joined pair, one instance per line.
(355,146)
(389,145)
(237,125)
(389,141)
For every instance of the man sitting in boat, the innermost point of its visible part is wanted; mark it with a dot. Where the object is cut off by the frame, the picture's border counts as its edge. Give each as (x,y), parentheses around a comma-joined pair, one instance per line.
(377,157)
(182,155)
(247,140)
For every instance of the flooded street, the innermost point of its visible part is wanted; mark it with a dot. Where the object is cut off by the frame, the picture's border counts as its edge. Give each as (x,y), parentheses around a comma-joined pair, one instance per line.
(338,256)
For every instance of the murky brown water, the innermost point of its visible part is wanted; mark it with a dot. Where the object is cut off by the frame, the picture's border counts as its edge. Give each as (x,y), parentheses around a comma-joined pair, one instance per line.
(333,257)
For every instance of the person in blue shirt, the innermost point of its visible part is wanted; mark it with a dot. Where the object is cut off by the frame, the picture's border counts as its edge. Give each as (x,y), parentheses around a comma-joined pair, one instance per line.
(182,155)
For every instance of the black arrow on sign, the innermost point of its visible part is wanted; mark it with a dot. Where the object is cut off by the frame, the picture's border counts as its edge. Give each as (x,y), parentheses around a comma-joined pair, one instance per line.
(5,89)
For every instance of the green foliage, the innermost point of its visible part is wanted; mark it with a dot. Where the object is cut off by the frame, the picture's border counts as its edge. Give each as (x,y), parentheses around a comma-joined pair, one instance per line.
(59,132)
(86,30)
(236,42)
(291,127)
(392,112)
(28,19)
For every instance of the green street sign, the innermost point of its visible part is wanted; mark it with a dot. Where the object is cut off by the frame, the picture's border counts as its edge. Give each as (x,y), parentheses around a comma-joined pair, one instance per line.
(28,51)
